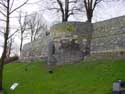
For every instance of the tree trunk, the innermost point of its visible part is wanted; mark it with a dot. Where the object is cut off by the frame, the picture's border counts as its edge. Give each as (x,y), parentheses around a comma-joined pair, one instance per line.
(21,44)
(90,19)
(3,55)
(31,37)
(5,47)
(1,79)
(66,10)
(89,15)
(63,18)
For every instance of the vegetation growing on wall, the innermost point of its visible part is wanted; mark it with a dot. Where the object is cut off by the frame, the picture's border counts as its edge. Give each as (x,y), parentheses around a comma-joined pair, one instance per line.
(66,27)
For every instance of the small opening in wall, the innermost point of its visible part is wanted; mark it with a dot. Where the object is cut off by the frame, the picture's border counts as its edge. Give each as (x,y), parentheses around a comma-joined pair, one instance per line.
(121,52)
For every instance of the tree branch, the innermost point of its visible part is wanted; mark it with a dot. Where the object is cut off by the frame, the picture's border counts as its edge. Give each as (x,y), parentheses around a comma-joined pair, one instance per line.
(13,34)
(85,3)
(96,2)
(1,3)
(57,9)
(75,1)
(53,8)
(91,2)
(61,6)
(88,4)
(1,32)
(20,17)
(71,13)
(19,7)
(11,5)
(2,13)
(2,20)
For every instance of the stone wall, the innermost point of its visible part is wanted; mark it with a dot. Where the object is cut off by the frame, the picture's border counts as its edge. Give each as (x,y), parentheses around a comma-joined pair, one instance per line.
(108,40)
(70,41)
(109,35)
(79,31)
(36,50)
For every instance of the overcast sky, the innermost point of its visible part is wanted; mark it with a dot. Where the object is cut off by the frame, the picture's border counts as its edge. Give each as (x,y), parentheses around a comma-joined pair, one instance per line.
(103,11)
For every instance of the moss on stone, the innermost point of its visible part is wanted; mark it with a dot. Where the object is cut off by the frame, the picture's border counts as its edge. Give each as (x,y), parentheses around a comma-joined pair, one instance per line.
(65,27)
(34,49)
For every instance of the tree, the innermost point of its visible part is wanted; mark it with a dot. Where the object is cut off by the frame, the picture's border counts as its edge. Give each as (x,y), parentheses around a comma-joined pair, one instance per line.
(6,9)
(36,25)
(65,7)
(23,28)
(64,11)
(90,6)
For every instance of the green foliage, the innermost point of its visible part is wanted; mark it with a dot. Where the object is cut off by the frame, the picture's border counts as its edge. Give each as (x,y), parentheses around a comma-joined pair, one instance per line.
(94,77)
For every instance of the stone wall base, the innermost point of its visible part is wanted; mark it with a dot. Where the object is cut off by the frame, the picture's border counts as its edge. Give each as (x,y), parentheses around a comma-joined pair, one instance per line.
(105,55)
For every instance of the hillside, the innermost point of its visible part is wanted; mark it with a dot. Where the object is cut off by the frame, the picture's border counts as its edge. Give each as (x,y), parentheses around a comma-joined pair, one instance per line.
(94,77)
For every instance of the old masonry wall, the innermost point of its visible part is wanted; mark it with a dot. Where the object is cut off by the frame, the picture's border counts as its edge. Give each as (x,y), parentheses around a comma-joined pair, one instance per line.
(107,41)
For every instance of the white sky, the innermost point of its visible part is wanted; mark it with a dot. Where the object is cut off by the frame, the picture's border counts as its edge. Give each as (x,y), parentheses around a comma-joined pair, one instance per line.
(102,12)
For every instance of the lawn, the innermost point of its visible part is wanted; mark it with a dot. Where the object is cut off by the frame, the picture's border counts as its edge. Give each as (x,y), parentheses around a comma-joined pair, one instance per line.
(92,77)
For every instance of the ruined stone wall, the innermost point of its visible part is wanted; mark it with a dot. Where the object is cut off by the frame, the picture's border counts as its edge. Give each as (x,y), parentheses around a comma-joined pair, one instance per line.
(108,40)
(109,35)
(36,50)
(70,41)
(79,31)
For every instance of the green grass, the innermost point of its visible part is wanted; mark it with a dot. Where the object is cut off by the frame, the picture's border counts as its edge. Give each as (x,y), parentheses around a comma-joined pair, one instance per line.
(93,77)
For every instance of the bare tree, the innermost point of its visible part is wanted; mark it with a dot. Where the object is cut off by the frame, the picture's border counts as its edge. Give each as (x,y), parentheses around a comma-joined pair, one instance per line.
(22,26)
(90,6)
(65,7)
(36,24)
(6,9)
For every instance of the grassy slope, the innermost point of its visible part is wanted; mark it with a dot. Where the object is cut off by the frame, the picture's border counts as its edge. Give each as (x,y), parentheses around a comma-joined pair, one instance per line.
(84,78)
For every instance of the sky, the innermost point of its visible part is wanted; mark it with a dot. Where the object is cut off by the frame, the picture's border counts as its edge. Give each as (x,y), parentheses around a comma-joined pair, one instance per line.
(103,11)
